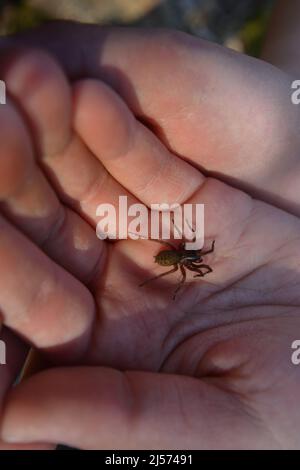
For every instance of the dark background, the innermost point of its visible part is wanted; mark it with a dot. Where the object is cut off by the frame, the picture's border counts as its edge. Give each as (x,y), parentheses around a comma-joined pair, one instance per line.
(239,24)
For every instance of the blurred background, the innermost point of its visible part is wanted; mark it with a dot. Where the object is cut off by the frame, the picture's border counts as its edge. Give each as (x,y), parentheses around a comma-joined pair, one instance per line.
(237,24)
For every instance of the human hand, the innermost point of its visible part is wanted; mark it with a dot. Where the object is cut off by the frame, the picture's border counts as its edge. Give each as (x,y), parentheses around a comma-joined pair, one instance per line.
(40,303)
(210,370)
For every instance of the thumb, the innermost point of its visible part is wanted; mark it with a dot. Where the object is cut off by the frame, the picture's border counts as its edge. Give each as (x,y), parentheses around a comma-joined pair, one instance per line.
(96,407)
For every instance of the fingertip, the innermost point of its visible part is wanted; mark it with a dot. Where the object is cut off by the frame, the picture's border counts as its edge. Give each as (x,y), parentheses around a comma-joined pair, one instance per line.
(37,83)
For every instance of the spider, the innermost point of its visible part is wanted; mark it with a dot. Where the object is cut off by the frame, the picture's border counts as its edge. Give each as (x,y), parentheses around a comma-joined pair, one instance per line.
(182,259)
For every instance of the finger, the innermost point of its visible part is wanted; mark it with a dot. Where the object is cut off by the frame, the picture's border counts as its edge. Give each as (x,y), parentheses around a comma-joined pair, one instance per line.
(5,446)
(36,83)
(26,196)
(32,78)
(52,310)
(132,154)
(83,182)
(132,410)
(207,113)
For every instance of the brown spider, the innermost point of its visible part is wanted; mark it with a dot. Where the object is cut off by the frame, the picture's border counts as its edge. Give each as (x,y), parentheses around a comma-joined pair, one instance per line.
(182,259)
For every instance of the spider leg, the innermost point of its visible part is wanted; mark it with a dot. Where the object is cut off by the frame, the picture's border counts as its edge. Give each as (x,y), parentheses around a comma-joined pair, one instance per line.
(192,230)
(197,269)
(210,250)
(182,245)
(160,275)
(183,272)
(175,226)
(196,263)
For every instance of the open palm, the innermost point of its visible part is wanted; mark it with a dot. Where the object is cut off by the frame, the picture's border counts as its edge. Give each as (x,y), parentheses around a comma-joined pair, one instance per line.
(224,344)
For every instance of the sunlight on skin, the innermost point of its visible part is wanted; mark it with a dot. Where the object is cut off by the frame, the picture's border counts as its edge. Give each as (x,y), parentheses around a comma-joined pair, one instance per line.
(207,113)
(225,342)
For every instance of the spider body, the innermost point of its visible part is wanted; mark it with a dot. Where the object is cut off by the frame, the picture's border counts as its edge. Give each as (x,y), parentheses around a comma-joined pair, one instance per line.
(167,258)
(180,256)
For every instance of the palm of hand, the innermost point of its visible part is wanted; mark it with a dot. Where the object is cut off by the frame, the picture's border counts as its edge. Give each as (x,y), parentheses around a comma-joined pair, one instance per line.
(232,330)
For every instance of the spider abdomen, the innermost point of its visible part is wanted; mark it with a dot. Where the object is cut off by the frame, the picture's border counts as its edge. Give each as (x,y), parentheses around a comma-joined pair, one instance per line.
(167,258)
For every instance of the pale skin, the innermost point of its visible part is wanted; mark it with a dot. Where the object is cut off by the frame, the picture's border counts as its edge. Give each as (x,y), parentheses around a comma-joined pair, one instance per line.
(213,369)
